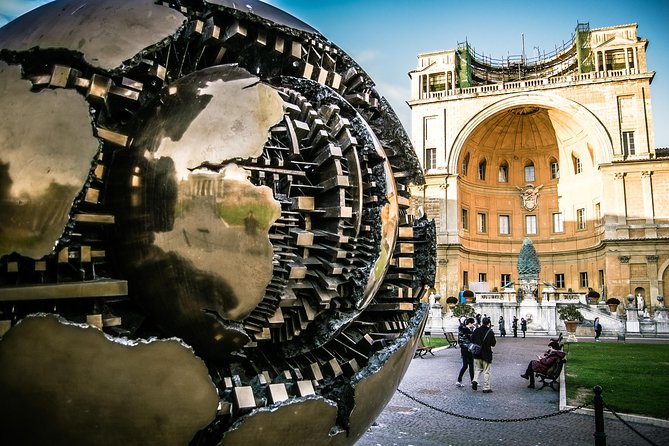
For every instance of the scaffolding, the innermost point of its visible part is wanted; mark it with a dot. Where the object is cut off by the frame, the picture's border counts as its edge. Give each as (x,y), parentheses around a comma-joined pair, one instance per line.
(480,69)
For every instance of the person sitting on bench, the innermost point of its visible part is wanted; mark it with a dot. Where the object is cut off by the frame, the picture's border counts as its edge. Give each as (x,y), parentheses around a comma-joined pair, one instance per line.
(542,364)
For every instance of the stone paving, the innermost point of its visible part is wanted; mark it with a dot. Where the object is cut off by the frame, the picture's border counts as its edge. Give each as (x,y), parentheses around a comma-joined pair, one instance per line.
(432,380)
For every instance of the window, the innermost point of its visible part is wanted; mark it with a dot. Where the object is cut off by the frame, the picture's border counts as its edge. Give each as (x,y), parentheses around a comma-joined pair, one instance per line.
(598,214)
(430,158)
(558,222)
(580,218)
(529,173)
(584,279)
(483,277)
(505,279)
(555,169)
(437,81)
(601,279)
(465,279)
(530,224)
(482,167)
(482,222)
(504,224)
(465,219)
(628,143)
(559,280)
(465,165)
(503,173)
(578,167)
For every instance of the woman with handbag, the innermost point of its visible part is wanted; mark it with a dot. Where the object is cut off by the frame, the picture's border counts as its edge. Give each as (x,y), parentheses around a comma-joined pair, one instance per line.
(465,332)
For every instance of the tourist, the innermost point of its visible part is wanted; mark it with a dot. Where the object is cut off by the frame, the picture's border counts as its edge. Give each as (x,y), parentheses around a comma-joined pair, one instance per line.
(464,340)
(484,337)
(462,298)
(598,329)
(478,319)
(514,326)
(502,329)
(542,364)
(523,325)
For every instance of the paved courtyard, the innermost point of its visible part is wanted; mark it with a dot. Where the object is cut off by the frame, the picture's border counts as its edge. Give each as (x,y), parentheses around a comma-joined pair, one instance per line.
(432,380)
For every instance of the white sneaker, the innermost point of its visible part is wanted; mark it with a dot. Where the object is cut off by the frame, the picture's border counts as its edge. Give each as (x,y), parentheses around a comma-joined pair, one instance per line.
(459,384)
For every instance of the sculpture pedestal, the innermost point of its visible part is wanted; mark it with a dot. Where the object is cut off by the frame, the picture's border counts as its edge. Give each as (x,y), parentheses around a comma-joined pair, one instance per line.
(632,324)
(571,330)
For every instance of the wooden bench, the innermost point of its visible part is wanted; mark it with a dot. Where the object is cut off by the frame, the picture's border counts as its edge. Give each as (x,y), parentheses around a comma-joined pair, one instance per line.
(552,375)
(424,348)
(451,339)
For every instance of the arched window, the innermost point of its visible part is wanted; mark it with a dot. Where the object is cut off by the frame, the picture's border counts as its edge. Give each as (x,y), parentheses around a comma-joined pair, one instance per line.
(529,172)
(482,167)
(555,168)
(503,173)
(465,165)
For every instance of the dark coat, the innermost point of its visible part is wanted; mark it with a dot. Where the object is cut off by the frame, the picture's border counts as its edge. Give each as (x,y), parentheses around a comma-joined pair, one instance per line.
(487,345)
(545,363)
(464,337)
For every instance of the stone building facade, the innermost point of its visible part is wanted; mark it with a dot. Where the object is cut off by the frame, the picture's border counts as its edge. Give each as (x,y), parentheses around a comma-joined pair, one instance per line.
(558,148)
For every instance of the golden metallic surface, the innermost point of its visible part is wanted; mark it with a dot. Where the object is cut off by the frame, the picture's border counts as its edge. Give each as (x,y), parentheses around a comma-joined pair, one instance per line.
(209,223)
(41,173)
(215,172)
(103,391)
(73,290)
(389,226)
(87,27)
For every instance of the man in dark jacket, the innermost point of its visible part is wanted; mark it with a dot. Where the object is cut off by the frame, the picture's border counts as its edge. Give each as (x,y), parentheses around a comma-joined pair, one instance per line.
(484,337)
(544,363)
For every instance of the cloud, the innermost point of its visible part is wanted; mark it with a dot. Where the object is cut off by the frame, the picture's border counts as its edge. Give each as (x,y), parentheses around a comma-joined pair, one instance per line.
(365,56)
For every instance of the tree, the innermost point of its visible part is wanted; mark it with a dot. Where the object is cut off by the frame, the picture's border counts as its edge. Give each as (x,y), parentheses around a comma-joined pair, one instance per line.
(528,262)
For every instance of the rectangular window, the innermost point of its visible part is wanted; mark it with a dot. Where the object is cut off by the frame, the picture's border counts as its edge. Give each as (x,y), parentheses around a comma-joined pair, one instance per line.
(465,219)
(437,82)
(482,222)
(506,278)
(430,158)
(504,226)
(598,214)
(559,280)
(628,143)
(555,171)
(530,224)
(578,167)
(483,277)
(580,218)
(558,222)
(465,279)
(601,279)
(584,279)
(529,174)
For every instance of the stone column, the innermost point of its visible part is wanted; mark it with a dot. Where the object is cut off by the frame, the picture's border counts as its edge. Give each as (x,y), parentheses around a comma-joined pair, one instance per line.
(596,63)
(604,61)
(652,276)
(627,61)
(619,197)
(646,190)
(635,60)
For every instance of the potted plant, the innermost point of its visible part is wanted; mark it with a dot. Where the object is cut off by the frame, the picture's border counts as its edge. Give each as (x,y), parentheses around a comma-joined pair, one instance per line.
(469,295)
(461,310)
(592,296)
(613,303)
(451,301)
(571,316)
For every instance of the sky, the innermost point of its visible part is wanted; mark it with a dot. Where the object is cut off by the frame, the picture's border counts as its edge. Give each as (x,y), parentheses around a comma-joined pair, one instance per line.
(385,37)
